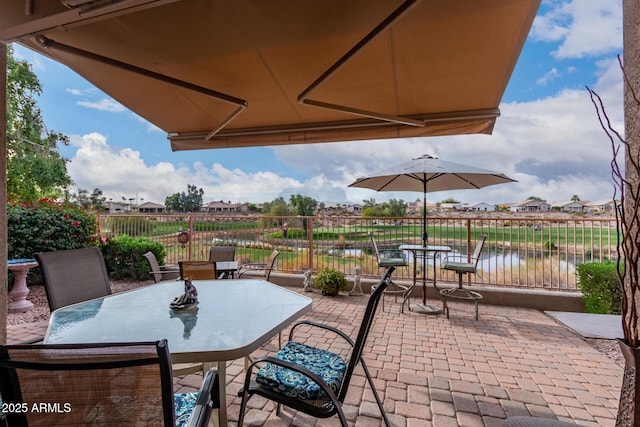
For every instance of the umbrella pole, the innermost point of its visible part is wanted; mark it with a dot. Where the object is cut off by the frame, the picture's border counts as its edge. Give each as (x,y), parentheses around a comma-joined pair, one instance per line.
(424,215)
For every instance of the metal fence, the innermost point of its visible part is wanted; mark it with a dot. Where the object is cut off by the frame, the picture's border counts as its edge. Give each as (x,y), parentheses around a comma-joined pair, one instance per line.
(519,252)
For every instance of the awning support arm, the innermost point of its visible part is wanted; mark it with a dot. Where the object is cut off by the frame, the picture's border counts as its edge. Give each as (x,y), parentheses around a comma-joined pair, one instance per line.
(241,104)
(384,25)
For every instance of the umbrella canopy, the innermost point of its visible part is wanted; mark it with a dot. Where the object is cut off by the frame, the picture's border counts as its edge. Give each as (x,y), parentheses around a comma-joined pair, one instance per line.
(429,174)
(236,73)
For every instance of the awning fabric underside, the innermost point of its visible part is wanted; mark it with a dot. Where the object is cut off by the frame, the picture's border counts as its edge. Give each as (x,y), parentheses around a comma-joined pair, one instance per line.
(235,73)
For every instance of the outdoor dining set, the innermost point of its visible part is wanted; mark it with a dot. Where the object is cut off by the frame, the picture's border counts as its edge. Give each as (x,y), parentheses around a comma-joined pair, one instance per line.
(111,357)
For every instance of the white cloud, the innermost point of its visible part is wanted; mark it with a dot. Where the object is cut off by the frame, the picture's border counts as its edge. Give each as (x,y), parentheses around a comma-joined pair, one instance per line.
(82,92)
(123,173)
(584,27)
(550,75)
(104,104)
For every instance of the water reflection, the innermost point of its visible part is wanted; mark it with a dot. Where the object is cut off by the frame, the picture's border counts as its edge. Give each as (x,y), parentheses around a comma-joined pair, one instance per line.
(189,318)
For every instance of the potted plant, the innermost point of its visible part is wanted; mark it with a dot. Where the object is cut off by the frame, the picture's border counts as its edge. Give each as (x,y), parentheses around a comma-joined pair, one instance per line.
(330,282)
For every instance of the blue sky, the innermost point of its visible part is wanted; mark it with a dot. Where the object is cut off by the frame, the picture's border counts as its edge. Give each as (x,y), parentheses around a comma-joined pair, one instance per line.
(547,137)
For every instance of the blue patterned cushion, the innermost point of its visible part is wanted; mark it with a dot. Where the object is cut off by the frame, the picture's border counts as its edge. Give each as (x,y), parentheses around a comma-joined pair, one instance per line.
(327,365)
(184,404)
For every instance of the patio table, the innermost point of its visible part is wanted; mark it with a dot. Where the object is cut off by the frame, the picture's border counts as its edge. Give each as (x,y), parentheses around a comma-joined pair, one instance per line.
(233,318)
(422,252)
(229,268)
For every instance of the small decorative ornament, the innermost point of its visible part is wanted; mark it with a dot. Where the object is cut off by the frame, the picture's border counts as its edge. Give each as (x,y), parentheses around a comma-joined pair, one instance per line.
(187,300)
(308,282)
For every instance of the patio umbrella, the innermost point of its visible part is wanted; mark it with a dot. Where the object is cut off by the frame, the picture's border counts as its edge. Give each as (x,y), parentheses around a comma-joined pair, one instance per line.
(428,173)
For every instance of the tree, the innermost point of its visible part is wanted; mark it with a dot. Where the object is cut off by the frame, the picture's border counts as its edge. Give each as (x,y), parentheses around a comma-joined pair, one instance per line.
(191,201)
(93,202)
(369,203)
(536,198)
(277,207)
(575,198)
(449,200)
(35,168)
(303,205)
(396,208)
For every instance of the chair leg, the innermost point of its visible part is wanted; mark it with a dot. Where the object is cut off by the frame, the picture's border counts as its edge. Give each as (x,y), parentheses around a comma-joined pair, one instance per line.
(460,293)
(375,392)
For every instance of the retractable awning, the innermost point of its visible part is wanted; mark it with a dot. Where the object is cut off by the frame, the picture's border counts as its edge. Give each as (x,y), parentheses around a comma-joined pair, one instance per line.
(234,73)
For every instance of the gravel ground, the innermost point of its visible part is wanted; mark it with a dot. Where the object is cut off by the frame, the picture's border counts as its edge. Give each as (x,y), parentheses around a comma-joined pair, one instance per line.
(41,312)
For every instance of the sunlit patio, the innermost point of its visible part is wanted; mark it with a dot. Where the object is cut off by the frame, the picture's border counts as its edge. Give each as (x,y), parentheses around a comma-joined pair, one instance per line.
(433,371)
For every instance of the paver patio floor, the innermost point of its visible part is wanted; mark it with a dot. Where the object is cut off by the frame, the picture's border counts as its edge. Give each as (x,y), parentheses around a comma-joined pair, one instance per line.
(433,371)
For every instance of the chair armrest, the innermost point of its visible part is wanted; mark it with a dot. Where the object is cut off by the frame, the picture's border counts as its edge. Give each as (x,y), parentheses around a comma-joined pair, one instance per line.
(321,326)
(252,266)
(208,399)
(457,258)
(170,274)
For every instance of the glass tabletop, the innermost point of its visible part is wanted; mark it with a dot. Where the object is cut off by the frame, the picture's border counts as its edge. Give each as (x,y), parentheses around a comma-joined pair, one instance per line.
(232,319)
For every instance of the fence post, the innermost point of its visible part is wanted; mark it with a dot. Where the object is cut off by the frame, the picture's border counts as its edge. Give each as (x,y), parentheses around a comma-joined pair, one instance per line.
(190,236)
(468,239)
(310,237)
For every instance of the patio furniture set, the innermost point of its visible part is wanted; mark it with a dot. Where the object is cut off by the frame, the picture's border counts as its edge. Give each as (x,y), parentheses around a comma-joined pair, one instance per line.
(105,341)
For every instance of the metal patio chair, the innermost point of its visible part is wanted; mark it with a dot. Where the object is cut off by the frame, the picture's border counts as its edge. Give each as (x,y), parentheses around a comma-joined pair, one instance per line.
(101,384)
(73,276)
(265,267)
(385,259)
(461,267)
(222,253)
(313,380)
(198,270)
(161,272)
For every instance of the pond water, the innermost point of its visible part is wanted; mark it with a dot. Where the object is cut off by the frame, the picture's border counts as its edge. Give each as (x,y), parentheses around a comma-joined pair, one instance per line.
(489,260)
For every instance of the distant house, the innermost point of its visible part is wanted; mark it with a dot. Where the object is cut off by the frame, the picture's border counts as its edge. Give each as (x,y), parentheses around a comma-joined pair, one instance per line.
(225,208)
(568,206)
(354,209)
(606,205)
(416,207)
(530,205)
(114,207)
(150,207)
(450,206)
(480,207)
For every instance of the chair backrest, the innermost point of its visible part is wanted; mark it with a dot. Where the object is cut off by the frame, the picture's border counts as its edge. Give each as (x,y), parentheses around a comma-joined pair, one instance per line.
(197,270)
(222,253)
(271,262)
(85,384)
(375,246)
(155,267)
(73,276)
(363,332)
(475,257)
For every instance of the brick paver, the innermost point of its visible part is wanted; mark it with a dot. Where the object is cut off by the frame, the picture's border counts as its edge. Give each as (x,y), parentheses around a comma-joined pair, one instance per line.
(446,372)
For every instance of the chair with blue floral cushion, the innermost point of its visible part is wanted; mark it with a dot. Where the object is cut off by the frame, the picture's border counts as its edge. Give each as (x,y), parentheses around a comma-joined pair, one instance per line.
(100,384)
(313,380)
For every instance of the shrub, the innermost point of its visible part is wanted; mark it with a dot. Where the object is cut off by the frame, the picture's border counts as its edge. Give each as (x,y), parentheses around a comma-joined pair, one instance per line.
(45,226)
(601,291)
(124,256)
(330,281)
